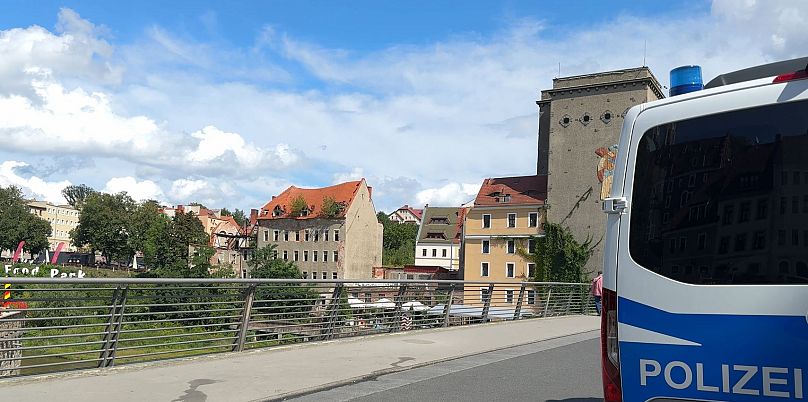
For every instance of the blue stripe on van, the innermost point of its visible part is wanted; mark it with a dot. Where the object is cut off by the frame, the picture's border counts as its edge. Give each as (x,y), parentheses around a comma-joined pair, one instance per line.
(741,357)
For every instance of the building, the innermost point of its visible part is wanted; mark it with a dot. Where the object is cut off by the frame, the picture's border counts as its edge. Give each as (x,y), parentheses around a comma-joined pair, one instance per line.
(62,218)
(406,214)
(329,233)
(439,238)
(507,212)
(580,120)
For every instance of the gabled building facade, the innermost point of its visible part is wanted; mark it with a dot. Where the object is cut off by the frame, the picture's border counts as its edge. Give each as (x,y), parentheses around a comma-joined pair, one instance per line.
(62,218)
(329,233)
(407,214)
(506,213)
(439,238)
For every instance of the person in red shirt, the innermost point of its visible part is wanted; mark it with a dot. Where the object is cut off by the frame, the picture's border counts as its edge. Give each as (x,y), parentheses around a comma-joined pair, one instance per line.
(597,290)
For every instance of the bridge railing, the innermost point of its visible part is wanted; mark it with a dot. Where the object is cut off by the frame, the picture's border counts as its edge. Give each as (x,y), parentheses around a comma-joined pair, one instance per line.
(54,325)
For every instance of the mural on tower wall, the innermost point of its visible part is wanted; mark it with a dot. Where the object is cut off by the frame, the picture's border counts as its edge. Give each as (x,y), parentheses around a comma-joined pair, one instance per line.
(606,169)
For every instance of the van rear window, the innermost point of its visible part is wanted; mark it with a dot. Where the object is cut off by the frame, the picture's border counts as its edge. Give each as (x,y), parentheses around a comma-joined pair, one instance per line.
(723,199)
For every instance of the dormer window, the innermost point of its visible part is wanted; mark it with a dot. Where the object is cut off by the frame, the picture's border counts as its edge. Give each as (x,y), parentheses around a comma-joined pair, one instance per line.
(436,235)
(503,198)
(278,211)
(439,220)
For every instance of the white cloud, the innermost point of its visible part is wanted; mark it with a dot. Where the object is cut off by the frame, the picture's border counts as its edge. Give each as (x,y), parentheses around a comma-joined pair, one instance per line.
(138,190)
(452,194)
(356,173)
(32,186)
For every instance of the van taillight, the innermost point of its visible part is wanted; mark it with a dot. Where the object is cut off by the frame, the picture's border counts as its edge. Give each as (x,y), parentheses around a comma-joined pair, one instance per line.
(610,354)
(798,75)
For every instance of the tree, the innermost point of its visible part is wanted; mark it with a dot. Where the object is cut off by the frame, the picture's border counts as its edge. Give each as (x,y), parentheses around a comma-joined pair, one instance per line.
(299,206)
(180,245)
(398,244)
(77,194)
(17,224)
(237,214)
(104,225)
(558,256)
(263,264)
(331,208)
(282,297)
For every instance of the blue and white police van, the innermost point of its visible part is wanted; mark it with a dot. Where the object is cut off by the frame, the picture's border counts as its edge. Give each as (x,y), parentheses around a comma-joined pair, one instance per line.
(705,289)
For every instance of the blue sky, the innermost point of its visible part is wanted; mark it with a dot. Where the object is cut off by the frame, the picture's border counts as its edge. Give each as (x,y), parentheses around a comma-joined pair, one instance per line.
(229,103)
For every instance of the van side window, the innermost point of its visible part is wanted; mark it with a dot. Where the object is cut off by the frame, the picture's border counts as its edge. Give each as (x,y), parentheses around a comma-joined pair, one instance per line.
(748,158)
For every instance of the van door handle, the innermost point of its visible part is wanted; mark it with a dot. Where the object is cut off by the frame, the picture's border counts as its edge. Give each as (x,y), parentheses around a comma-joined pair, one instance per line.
(614,205)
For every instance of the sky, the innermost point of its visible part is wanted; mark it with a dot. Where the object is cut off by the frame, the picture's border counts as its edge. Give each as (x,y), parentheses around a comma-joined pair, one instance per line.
(229,103)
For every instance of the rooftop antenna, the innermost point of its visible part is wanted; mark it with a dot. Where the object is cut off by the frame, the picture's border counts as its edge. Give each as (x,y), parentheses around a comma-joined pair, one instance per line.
(644,51)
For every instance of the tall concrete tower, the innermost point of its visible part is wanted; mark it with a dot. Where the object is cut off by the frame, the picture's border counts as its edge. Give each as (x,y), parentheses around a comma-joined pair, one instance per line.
(579,127)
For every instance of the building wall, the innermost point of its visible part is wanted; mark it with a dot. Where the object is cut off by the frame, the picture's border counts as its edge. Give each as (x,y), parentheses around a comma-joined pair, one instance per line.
(498,257)
(450,262)
(574,191)
(63,219)
(307,265)
(363,237)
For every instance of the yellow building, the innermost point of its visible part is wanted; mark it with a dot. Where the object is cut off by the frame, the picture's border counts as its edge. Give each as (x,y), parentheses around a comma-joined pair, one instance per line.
(506,213)
(62,218)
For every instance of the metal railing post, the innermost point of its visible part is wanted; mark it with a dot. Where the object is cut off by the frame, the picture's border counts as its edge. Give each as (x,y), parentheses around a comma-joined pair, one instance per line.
(402,289)
(487,305)
(569,301)
(547,302)
(517,312)
(110,345)
(244,324)
(333,312)
(448,308)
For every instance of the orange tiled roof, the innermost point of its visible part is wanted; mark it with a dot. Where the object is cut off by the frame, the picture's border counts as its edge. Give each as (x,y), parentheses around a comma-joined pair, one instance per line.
(521,189)
(343,193)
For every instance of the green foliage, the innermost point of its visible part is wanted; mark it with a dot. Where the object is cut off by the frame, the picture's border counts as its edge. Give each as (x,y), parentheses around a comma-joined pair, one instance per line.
(105,225)
(559,257)
(18,224)
(398,245)
(281,298)
(168,252)
(263,264)
(76,195)
(237,214)
(299,206)
(331,208)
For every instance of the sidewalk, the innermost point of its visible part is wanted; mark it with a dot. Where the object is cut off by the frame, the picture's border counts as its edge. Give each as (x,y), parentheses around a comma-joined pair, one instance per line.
(275,373)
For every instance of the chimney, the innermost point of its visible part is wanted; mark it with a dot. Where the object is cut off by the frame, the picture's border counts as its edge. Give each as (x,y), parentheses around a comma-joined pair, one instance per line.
(273,197)
(253,216)
(370,192)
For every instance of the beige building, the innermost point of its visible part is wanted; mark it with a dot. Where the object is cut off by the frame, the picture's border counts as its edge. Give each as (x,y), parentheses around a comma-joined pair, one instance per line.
(343,241)
(506,213)
(580,120)
(62,218)
(438,243)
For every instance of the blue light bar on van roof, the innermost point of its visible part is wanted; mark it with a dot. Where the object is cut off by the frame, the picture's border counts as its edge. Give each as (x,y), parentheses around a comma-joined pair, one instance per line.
(685,79)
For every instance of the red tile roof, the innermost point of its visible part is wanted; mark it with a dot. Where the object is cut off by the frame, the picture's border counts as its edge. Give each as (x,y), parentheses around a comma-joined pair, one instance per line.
(521,189)
(343,193)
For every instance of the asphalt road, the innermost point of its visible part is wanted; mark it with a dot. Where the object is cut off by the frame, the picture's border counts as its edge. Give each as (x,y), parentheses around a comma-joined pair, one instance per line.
(565,369)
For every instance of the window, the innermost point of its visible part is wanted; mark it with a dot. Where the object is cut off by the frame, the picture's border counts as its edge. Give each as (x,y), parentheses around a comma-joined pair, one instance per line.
(533,220)
(314,255)
(333,275)
(436,235)
(336,235)
(276,234)
(486,221)
(316,235)
(285,255)
(325,256)
(656,162)
(484,295)
(531,245)
(745,212)
(306,235)
(702,243)
(266,235)
(486,246)
(511,220)
(275,254)
(336,256)
(434,252)
(285,235)
(443,253)
(325,235)
(484,269)
(509,270)
(305,274)
(439,220)
(423,252)
(531,297)
(511,247)
(296,256)
(509,296)
(313,274)
(297,235)
(305,255)
(531,270)
(325,275)
(682,243)
(762,209)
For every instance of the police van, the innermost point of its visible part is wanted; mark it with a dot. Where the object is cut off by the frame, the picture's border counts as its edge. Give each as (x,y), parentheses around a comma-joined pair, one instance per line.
(705,283)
